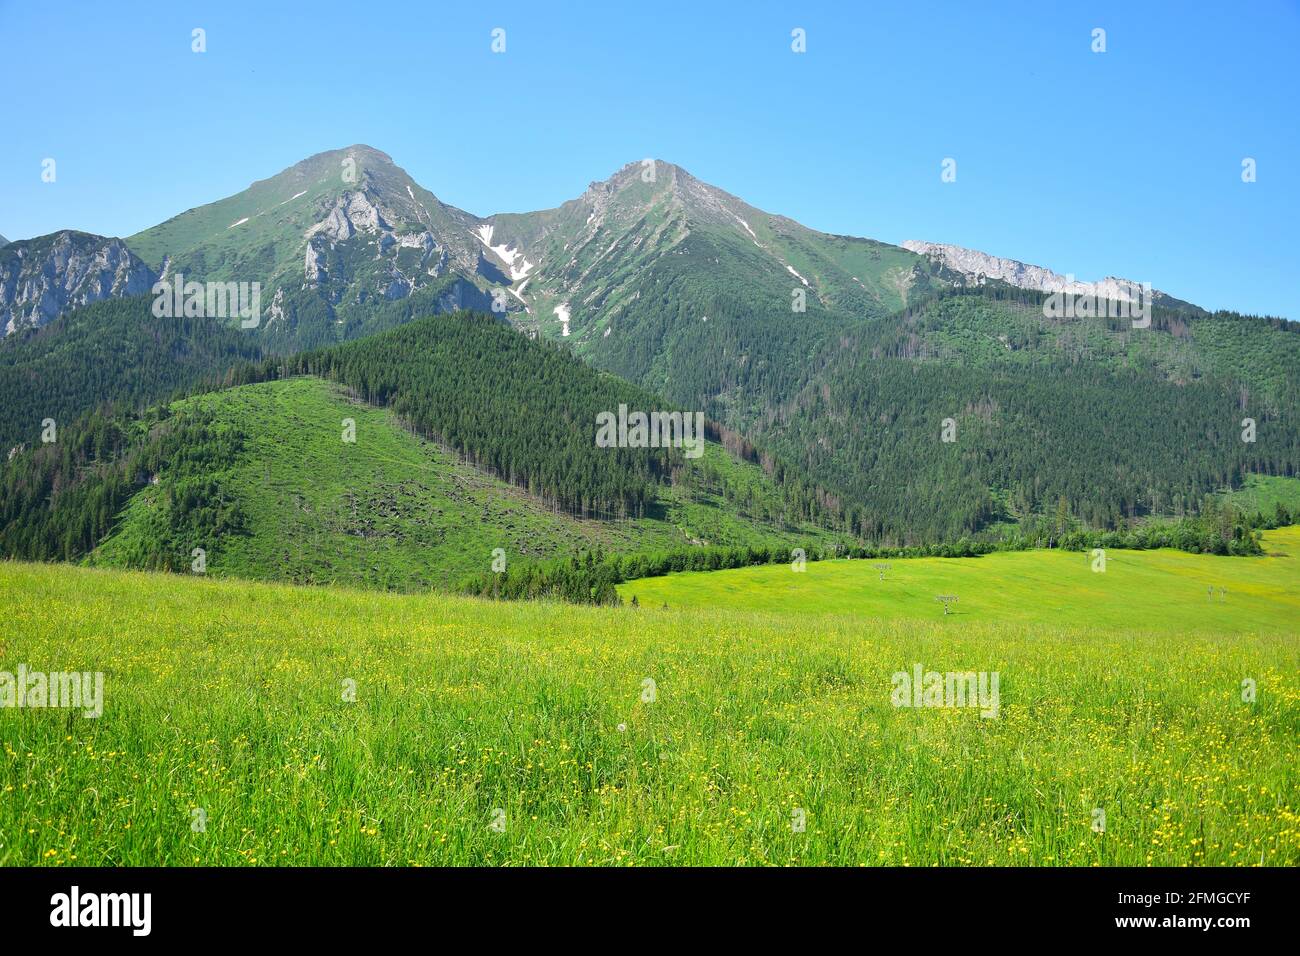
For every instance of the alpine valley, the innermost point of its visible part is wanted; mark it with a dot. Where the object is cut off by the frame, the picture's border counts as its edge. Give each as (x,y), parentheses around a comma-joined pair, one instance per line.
(857,394)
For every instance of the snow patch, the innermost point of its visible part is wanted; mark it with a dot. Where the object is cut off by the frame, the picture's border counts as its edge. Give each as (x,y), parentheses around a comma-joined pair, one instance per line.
(562,311)
(240,223)
(505,253)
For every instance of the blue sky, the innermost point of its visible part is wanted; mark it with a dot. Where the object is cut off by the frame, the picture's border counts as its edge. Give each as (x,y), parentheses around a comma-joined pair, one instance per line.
(1124,163)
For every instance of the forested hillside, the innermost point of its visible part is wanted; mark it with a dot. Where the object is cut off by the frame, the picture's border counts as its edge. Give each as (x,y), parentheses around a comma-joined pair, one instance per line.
(391,509)
(115,351)
(292,478)
(523,410)
(59,500)
(1115,422)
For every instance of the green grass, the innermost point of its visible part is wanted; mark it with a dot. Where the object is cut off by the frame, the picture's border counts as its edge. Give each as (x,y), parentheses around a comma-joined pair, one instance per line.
(394,511)
(269,234)
(226,696)
(1163,591)
(1263,493)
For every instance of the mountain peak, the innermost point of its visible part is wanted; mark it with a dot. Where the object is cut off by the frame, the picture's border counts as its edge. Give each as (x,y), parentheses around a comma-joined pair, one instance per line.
(348,164)
(326,238)
(356,150)
(370,150)
(657,172)
(645,183)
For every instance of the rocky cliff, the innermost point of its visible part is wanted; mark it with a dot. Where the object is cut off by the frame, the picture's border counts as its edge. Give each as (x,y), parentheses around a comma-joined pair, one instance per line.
(42,278)
(975,265)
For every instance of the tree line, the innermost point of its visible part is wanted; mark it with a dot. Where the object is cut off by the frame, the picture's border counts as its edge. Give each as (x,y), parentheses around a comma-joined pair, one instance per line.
(593,577)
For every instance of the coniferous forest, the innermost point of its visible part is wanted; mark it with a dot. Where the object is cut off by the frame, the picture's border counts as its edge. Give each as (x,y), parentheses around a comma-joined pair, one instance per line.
(1041,444)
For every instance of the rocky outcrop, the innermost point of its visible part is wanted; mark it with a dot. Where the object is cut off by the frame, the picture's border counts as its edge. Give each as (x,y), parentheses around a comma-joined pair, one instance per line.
(352,213)
(42,278)
(401,260)
(977,266)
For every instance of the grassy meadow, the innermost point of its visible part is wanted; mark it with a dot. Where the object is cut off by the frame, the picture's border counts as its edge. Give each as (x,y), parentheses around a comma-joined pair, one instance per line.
(1163,591)
(524,734)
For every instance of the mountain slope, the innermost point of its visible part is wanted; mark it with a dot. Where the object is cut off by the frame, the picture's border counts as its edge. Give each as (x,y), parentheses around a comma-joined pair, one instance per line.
(114,351)
(391,510)
(288,477)
(327,239)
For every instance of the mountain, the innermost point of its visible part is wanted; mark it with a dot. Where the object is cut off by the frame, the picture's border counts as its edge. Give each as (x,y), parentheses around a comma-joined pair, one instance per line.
(3,241)
(974,266)
(336,235)
(42,278)
(328,239)
(841,357)
(688,290)
(585,259)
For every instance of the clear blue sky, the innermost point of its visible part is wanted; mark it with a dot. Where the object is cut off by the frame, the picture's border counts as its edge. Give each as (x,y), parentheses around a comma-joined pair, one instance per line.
(1124,163)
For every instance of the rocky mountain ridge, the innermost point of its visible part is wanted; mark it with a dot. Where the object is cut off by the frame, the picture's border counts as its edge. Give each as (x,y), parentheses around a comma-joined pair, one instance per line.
(42,278)
(976,266)
(346,230)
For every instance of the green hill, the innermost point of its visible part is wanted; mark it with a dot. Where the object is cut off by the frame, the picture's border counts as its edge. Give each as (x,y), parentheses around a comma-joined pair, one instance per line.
(287,478)
(391,510)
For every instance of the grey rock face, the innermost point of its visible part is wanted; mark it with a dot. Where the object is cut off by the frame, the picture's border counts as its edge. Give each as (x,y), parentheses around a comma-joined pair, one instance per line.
(363,220)
(976,266)
(42,278)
